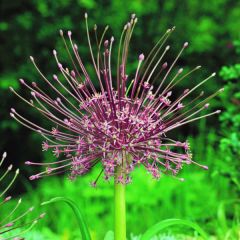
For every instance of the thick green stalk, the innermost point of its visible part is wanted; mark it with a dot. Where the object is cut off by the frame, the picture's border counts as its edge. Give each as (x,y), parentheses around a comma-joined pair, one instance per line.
(119,206)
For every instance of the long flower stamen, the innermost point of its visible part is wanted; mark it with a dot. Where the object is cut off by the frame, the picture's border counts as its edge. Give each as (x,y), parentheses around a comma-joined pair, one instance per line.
(10,221)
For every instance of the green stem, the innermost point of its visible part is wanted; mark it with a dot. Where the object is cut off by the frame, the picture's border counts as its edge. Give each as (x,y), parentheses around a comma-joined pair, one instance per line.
(120,206)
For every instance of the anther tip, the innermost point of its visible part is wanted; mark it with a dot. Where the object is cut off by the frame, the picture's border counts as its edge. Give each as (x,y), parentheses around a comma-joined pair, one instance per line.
(21,81)
(169,94)
(32,177)
(69,33)
(34,84)
(141,57)
(13,110)
(213,75)
(17,171)
(61,32)
(73,74)
(218,111)
(180,70)
(31,58)
(106,43)
(221,90)
(12,115)
(167,48)
(164,65)
(8,198)
(86,15)
(42,215)
(198,67)
(185,44)
(4,154)
(54,52)
(10,167)
(205,167)
(206,105)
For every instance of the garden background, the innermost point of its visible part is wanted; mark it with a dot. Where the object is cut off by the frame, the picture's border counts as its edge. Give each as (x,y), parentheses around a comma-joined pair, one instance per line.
(211,198)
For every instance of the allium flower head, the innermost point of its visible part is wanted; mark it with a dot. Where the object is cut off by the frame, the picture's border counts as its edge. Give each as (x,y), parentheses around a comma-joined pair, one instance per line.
(125,120)
(12,224)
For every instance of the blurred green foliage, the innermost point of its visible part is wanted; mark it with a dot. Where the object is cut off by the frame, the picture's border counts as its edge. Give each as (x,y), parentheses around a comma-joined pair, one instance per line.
(230,121)
(212,29)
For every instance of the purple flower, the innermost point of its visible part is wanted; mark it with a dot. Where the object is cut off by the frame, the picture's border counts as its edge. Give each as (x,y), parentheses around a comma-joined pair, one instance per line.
(12,226)
(130,114)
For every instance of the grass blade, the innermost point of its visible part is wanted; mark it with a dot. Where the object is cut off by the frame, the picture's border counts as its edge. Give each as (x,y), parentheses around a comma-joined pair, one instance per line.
(221,213)
(170,222)
(81,222)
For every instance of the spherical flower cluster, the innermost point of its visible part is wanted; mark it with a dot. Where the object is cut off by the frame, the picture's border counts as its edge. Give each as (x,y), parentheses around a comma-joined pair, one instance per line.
(122,123)
(12,226)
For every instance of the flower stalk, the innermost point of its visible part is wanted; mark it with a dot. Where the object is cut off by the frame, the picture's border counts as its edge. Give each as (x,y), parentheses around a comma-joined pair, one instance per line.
(119,204)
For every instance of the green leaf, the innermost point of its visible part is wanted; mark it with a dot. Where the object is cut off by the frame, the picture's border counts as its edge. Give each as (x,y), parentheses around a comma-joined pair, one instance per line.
(170,222)
(81,222)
